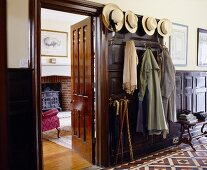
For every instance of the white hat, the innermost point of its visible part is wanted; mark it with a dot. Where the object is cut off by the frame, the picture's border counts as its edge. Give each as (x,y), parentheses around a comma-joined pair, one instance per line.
(131,21)
(164,27)
(113,17)
(149,24)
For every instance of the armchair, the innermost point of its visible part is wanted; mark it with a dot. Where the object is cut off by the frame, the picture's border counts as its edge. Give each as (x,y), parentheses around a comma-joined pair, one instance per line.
(50,120)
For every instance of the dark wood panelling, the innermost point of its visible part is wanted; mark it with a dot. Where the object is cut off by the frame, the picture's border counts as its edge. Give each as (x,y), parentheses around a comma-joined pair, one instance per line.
(194,90)
(34,53)
(21,122)
(115,61)
(200,92)
(179,92)
(115,82)
(3,89)
(193,95)
(188,91)
(101,94)
(74,6)
(82,113)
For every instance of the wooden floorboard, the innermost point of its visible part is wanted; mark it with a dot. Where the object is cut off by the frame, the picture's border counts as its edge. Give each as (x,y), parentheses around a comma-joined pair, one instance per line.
(56,157)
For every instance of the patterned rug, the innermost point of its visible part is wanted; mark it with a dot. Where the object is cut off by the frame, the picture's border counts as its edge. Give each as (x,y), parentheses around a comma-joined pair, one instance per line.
(65,139)
(173,158)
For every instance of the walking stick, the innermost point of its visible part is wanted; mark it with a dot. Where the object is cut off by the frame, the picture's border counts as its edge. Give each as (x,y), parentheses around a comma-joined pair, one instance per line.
(128,130)
(120,142)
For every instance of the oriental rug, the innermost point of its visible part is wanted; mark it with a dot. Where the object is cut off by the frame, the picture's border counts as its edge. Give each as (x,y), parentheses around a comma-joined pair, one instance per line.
(65,139)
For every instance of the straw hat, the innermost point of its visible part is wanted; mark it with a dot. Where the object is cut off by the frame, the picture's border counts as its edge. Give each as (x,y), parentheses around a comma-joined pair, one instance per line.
(131,21)
(113,17)
(149,24)
(164,27)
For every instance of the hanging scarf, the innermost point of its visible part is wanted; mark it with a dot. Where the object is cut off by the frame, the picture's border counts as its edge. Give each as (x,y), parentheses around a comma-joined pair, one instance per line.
(130,68)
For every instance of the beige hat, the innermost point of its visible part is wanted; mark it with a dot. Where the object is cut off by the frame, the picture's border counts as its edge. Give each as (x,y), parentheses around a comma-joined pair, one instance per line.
(131,21)
(113,17)
(164,27)
(149,24)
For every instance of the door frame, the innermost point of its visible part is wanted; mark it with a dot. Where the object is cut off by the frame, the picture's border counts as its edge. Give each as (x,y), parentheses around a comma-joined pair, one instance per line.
(3,90)
(101,65)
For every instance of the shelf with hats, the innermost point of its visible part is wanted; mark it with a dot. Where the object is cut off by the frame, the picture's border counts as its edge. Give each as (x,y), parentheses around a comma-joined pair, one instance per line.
(116,20)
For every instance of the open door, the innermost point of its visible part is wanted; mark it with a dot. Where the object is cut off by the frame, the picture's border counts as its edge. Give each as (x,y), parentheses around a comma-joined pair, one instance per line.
(82,88)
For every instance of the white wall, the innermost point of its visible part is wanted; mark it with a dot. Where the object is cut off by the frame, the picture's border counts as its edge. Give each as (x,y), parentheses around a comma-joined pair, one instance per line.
(187,12)
(58,21)
(63,64)
(17,32)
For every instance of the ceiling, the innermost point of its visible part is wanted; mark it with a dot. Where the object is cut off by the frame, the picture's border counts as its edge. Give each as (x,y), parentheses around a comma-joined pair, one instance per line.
(48,14)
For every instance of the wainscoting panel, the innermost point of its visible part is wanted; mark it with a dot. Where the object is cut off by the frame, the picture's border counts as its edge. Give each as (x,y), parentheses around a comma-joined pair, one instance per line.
(21,120)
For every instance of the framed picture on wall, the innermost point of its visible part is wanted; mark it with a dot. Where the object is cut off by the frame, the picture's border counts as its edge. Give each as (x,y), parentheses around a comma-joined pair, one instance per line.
(202,47)
(54,43)
(179,44)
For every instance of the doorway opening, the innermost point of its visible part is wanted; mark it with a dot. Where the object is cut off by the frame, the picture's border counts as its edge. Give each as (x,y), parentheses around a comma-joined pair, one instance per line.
(67,90)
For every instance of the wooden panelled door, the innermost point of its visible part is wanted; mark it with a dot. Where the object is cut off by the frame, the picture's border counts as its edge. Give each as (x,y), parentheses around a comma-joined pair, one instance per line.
(82,88)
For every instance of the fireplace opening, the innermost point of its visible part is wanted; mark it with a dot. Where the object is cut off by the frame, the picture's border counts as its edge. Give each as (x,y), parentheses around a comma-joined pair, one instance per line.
(62,84)
(51,96)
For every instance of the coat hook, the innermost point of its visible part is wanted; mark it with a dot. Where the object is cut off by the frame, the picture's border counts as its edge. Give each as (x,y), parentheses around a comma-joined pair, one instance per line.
(111,41)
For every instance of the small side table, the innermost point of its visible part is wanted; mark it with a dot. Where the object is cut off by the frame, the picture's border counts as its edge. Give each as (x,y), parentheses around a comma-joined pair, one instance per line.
(186,140)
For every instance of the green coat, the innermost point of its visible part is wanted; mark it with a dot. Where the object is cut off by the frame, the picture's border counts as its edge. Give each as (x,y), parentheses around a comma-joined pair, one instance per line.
(149,82)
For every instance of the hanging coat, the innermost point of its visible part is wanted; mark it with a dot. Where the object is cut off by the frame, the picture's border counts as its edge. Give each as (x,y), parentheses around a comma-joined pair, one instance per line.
(140,118)
(130,67)
(168,86)
(150,85)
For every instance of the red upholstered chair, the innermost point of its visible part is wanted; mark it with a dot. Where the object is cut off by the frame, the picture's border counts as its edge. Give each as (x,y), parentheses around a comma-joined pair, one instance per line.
(50,120)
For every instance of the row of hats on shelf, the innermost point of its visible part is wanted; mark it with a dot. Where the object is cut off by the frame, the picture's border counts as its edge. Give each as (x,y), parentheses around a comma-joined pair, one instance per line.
(114,19)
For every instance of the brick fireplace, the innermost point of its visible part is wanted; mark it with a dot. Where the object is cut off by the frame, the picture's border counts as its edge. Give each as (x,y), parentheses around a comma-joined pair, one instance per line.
(65,88)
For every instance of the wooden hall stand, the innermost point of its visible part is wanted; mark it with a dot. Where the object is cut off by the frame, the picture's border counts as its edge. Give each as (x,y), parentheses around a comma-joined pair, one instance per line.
(186,126)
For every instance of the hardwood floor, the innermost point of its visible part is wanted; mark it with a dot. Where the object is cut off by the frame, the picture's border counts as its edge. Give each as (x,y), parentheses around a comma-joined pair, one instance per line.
(56,157)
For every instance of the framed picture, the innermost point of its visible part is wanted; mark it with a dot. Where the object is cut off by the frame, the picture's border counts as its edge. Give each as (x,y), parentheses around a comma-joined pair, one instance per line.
(202,47)
(54,43)
(179,44)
